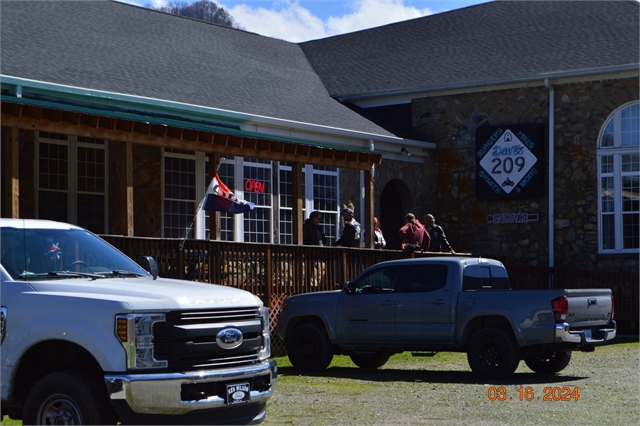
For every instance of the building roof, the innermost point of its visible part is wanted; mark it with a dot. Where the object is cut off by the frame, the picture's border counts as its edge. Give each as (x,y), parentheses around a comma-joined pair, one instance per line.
(491,42)
(115,47)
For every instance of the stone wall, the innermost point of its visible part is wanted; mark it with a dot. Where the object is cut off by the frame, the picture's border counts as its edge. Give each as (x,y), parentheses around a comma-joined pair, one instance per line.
(445,184)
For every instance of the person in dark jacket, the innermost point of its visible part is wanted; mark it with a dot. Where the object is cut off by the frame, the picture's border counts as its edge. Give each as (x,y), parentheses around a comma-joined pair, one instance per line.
(312,234)
(351,232)
(438,238)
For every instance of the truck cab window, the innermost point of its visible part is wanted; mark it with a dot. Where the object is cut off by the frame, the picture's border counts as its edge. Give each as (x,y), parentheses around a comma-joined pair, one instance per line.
(425,278)
(382,280)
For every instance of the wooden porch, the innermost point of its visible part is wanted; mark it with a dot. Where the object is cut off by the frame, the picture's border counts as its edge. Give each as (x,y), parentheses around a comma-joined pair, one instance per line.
(274,271)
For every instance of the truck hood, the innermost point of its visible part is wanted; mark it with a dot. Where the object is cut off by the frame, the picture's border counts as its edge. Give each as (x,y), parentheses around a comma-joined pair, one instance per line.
(145,293)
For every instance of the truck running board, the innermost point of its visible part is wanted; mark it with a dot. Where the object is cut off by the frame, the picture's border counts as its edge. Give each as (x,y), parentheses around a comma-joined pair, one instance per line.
(423,353)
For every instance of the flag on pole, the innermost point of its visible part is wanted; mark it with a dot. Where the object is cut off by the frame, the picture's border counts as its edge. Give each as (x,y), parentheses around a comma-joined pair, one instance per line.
(220,198)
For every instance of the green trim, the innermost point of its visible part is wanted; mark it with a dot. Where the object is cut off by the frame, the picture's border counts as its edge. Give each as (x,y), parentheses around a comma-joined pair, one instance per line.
(174,123)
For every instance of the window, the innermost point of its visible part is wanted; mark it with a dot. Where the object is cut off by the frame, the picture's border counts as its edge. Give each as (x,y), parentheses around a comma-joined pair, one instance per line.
(380,280)
(619,182)
(71,180)
(323,197)
(186,180)
(425,278)
(478,277)
(179,192)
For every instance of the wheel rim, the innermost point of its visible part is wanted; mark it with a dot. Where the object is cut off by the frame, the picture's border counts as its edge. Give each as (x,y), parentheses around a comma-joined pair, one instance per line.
(59,410)
(490,354)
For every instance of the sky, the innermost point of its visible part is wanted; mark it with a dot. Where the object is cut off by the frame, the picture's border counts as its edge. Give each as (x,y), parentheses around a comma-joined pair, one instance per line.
(303,20)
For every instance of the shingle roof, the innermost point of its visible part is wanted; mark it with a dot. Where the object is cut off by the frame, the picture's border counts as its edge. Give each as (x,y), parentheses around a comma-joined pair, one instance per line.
(493,41)
(115,47)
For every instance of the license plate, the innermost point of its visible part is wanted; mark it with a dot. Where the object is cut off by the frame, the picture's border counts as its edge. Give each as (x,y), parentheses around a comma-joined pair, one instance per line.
(587,335)
(238,393)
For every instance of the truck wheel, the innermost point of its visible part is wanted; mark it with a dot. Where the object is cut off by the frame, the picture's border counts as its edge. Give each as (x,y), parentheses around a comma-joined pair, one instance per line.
(548,362)
(66,398)
(309,348)
(493,353)
(370,362)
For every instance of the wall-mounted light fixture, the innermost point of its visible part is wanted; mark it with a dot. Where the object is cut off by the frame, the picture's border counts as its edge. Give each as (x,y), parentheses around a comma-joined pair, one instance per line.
(404,151)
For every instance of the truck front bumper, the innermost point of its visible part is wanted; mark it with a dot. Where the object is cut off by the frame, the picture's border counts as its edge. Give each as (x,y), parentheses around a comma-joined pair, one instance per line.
(180,393)
(589,336)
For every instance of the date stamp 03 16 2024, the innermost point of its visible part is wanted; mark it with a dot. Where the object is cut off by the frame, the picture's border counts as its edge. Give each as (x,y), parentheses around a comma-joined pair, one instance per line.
(550,393)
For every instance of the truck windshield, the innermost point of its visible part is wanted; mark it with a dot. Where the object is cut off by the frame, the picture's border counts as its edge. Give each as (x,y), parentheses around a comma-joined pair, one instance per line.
(37,253)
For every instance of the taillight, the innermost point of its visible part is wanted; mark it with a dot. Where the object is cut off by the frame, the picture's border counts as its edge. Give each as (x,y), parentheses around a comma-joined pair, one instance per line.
(612,310)
(560,307)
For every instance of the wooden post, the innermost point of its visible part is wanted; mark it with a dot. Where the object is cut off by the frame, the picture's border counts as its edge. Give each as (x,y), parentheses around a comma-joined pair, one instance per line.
(268,281)
(368,207)
(15,174)
(296,180)
(129,171)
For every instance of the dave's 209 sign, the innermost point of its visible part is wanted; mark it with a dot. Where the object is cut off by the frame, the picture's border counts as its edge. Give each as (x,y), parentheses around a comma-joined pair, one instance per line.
(509,162)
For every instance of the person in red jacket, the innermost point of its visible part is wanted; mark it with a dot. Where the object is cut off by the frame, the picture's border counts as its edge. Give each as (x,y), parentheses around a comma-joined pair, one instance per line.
(411,234)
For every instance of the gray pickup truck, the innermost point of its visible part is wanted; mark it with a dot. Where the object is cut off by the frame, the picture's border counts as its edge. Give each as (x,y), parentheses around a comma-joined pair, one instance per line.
(445,304)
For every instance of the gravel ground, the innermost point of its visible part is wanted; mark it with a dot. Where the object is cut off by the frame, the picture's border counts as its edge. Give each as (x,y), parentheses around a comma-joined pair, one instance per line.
(442,390)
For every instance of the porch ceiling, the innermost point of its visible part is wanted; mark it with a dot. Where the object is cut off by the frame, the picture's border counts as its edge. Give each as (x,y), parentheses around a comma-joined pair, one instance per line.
(167,133)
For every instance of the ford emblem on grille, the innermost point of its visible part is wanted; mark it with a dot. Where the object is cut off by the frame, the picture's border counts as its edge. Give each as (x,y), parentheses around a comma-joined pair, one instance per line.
(229,338)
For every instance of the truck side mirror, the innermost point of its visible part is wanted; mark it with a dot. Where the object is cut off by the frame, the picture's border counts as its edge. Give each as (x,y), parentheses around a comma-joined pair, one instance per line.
(149,264)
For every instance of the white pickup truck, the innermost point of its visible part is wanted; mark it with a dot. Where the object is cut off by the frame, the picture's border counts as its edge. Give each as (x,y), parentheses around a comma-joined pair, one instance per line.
(90,337)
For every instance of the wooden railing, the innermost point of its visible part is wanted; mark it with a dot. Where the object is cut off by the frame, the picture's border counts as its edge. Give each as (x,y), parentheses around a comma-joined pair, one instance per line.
(273,272)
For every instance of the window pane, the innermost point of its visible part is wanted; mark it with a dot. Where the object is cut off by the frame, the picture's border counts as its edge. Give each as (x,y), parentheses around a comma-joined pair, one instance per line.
(257,225)
(286,226)
(607,137)
(53,166)
(607,194)
(91,212)
(630,193)
(630,126)
(53,206)
(630,163)
(608,232)
(631,230)
(178,216)
(606,164)
(325,192)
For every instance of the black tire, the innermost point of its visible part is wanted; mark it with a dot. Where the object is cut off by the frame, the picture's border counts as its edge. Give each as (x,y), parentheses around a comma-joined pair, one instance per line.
(66,397)
(309,348)
(493,353)
(370,362)
(548,362)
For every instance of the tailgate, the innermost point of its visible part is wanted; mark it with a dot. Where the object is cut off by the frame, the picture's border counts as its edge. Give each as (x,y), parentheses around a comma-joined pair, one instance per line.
(589,307)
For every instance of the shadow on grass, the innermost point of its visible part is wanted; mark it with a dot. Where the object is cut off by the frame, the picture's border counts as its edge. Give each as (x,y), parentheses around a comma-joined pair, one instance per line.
(425,376)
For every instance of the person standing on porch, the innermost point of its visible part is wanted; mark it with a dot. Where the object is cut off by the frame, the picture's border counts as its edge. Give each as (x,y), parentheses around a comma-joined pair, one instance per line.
(438,238)
(411,234)
(350,232)
(312,234)
(378,239)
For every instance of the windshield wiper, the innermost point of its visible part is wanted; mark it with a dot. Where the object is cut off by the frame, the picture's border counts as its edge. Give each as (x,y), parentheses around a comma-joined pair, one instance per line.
(122,273)
(61,274)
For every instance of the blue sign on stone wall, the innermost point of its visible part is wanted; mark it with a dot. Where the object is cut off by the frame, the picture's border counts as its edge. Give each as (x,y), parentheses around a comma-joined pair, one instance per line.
(509,162)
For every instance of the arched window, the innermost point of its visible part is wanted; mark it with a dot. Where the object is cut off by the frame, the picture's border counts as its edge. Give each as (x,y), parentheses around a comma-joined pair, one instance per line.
(619,181)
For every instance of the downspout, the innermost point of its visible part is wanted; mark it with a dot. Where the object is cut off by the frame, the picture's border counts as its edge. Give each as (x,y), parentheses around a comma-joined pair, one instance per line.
(551,169)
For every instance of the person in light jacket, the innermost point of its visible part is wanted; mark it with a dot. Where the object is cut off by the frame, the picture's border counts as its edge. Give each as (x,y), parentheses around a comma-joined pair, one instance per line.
(378,239)
(350,232)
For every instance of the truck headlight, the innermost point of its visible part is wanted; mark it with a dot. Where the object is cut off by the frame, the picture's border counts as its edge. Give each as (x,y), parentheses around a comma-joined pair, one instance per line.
(265,351)
(135,332)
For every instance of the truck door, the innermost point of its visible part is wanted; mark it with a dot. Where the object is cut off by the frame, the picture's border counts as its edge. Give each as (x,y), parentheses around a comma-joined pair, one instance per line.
(423,308)
(366,313)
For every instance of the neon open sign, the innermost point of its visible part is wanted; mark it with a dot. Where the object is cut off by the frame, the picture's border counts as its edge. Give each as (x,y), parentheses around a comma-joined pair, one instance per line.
(251,185)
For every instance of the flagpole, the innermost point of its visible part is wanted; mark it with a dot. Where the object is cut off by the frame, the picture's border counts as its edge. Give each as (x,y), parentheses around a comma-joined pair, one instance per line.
(195,216)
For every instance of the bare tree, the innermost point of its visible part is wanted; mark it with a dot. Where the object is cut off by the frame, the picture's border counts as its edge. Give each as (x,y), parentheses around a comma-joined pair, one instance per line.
(204,10)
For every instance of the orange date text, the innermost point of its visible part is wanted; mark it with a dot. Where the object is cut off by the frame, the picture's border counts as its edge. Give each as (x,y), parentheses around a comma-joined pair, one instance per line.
(549,393)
